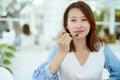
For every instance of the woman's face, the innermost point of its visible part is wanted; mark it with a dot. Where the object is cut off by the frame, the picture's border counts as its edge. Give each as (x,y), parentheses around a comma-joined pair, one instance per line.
(77,23)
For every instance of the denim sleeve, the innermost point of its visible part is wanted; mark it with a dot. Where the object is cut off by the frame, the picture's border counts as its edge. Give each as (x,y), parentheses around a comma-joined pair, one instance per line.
(53,52)
(112,64)
(43,71)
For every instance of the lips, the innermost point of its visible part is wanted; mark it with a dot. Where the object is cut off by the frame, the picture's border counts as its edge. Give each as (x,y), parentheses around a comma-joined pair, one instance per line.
(79,31)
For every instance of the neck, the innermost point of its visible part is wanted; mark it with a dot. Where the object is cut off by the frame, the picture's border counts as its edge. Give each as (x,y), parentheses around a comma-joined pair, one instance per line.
(80,44)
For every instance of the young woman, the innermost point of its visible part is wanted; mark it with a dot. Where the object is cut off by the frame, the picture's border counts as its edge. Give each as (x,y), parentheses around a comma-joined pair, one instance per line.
(79,54)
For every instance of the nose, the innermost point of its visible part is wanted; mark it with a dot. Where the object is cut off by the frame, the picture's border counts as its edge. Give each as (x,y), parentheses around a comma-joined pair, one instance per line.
(79,25)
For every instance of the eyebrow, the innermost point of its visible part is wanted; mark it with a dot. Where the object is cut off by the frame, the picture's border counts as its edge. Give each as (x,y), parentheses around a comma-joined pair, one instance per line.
(76,17)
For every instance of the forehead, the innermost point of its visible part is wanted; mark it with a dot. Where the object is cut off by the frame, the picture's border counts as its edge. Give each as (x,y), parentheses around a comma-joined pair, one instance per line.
(75,12)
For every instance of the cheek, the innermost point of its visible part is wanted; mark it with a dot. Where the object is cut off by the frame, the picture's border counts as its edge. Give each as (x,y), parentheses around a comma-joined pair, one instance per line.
(87,26)
(71,26)
(88,29)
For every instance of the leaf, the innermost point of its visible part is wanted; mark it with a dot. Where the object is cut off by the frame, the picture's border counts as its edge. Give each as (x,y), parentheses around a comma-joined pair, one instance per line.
(3,46)
(9,54)
(12,48)
(6,61)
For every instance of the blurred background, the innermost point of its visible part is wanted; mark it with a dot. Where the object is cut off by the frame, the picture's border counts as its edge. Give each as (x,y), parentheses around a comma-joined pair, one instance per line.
(30,27)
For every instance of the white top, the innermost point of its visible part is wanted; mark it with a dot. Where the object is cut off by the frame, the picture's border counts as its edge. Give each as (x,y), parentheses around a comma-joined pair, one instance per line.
(91,70)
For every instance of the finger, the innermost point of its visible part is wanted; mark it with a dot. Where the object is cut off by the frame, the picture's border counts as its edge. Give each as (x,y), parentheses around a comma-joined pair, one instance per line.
(61,39)
(64,39)
(59,35)
(68,40)
(64,36)
(61,32)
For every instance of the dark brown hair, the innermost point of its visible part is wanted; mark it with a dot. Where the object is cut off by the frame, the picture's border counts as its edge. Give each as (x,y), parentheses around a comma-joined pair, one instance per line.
(26,29)
(93,39)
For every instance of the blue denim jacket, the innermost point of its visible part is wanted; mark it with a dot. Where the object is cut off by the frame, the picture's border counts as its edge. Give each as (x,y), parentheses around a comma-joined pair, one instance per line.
(112,64)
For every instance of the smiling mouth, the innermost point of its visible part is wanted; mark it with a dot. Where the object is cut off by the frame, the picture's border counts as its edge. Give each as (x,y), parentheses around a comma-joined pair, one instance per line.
(79,31)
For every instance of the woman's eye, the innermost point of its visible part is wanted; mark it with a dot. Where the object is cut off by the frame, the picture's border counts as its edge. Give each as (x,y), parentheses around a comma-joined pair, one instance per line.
(73,20)
(84,19)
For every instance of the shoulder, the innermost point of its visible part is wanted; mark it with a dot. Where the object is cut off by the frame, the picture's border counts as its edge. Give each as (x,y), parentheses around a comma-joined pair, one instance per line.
(110,55)
(107,50)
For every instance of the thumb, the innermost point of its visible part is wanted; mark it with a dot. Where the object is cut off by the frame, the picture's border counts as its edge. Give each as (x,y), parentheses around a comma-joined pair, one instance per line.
(63,31)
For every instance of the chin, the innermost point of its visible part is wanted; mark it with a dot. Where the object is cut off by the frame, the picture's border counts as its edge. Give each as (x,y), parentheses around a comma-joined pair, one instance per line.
(80,37)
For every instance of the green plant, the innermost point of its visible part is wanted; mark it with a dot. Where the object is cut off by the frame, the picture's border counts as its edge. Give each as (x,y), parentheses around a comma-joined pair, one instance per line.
(99,28)
(6,52)
(99,17)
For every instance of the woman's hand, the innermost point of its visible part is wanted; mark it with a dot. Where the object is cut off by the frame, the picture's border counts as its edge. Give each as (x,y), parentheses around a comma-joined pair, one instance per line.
(63,40)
